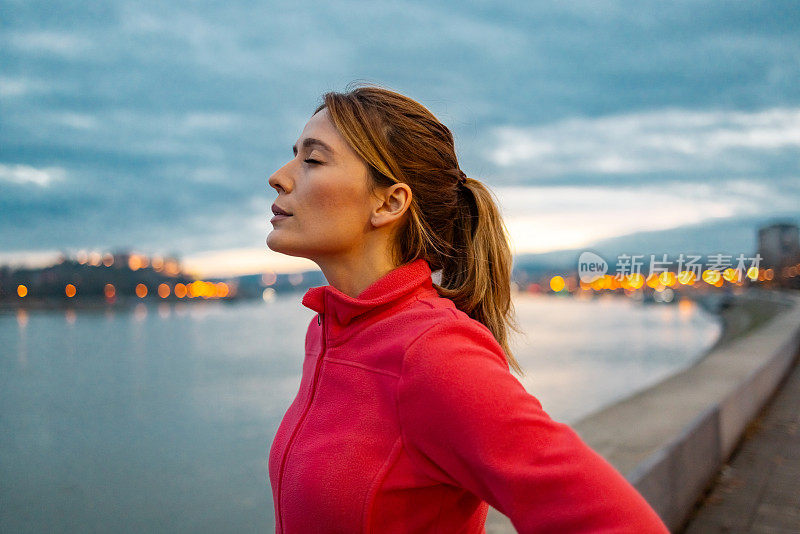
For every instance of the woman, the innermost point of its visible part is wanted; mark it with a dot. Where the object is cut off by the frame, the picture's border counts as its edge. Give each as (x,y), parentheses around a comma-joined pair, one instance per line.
(408,418)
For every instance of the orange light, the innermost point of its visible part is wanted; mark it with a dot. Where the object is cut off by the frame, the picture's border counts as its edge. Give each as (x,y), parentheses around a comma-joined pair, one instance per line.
(222,290)
(109,291)
(108,260)
(635,280)
(163,291)
(22,290)
(204,290)
(711,277)
(70,290)
(730,274)
(667,278)
(557,283)
(180,290)
(172,268)
(141,291)
(134,262)
(769,274)
(686,277)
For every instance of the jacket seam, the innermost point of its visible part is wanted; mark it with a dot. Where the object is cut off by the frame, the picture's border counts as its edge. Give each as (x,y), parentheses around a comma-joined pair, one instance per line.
(397,401)
(362,366)
(380,476)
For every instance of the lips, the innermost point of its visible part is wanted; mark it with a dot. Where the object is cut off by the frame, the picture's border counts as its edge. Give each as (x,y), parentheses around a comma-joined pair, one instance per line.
(279,211)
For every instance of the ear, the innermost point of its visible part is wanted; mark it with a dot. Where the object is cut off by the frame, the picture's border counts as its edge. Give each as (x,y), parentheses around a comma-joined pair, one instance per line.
(392,204)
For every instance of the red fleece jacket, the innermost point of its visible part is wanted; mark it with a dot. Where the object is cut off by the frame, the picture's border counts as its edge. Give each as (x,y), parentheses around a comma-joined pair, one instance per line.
(408,420)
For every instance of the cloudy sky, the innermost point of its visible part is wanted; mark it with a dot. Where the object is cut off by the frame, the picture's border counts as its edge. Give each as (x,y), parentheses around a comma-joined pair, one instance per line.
(155,125)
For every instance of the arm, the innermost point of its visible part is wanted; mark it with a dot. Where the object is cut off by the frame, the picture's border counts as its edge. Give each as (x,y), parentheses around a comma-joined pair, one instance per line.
(467,421)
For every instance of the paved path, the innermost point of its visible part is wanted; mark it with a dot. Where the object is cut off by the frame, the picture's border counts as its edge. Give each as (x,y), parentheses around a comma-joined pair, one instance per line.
(758,490)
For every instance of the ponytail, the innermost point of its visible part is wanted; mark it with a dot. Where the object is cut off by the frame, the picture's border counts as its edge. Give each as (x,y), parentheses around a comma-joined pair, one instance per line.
(478,278)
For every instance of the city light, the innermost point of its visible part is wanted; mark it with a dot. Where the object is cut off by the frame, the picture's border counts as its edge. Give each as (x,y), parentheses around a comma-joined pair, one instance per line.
(22,290)
(109,291)
(70,290)
(730,275)
(134,262)
(141,291)
(667,279)
(163,291)
(222,290)
(711,277)
(269,278)
(180,290)
(635,280)
(686,278)
(557,283)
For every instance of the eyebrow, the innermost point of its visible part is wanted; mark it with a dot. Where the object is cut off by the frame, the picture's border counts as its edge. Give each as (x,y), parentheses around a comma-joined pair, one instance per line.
(312,142)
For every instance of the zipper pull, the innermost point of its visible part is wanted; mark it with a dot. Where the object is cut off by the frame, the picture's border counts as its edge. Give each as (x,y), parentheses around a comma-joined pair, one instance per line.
(319,321)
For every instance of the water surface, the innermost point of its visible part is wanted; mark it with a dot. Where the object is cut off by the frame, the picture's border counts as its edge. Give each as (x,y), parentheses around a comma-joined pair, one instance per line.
(160,417)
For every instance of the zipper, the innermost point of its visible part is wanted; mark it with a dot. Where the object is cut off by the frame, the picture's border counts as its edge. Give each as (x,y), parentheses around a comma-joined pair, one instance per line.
(279,518)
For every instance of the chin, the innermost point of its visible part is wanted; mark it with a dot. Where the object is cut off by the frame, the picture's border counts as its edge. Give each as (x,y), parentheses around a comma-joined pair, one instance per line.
(275,244)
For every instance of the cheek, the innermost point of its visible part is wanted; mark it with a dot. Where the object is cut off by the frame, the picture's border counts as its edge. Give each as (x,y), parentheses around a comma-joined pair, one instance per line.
(338,210)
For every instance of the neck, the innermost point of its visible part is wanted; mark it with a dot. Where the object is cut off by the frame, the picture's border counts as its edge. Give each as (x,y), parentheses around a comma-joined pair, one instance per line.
(353,273)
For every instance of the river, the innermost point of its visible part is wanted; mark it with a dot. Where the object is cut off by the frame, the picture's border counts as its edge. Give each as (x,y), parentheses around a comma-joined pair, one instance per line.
(160,417)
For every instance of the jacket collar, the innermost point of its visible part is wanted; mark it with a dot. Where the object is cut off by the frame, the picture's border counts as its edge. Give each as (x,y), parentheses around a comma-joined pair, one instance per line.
(391,287)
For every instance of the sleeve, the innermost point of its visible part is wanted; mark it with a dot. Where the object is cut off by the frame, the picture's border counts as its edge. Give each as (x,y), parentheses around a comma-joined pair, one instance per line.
(467,421)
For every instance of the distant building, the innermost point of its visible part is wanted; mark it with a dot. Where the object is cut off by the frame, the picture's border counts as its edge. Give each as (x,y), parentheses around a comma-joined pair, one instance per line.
(779,245)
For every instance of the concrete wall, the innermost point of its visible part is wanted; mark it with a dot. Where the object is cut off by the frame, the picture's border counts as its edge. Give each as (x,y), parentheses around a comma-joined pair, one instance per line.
(671,439)
(674,477)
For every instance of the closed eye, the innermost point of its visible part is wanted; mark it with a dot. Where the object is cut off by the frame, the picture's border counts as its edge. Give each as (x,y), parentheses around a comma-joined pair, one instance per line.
(312,161)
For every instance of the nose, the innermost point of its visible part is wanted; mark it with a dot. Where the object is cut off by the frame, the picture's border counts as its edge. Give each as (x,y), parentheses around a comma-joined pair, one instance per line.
(280,180)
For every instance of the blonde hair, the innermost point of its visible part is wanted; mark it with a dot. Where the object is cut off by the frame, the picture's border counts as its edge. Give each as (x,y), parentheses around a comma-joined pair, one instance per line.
(456,227)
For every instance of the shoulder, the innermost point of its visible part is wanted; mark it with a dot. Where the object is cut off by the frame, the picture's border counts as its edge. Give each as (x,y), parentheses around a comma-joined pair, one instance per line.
(453,347)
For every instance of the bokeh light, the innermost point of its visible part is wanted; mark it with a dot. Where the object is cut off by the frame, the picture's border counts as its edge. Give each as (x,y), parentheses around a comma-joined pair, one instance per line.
(163,290)
(141,291)
(557,283)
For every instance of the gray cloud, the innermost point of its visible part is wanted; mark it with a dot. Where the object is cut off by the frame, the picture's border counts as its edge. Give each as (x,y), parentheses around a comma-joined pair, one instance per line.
(165,120)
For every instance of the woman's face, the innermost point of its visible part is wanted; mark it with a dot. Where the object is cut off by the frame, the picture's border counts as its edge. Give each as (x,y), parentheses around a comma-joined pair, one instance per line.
(325,188)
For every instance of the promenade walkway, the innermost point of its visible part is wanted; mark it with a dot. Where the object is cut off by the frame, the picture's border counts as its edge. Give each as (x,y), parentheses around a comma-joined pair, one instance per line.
(758,490)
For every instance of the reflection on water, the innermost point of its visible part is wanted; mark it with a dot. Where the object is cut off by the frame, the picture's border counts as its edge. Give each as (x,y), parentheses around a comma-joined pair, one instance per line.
(580,355)
(160,417)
